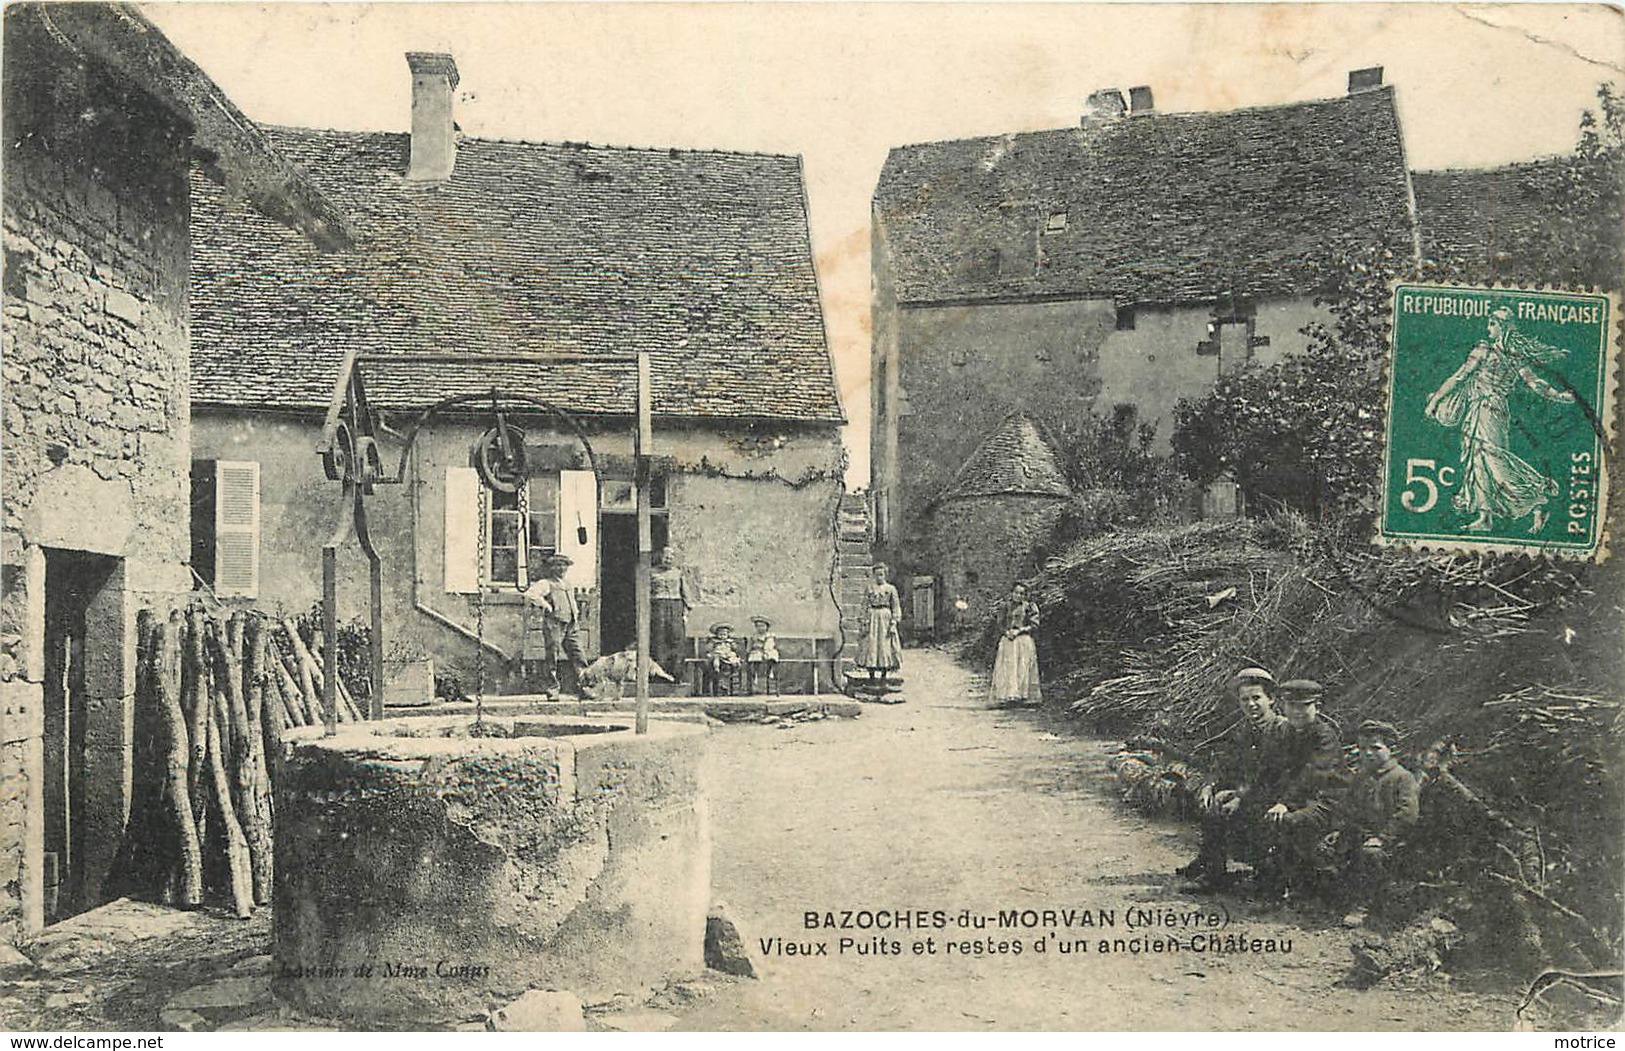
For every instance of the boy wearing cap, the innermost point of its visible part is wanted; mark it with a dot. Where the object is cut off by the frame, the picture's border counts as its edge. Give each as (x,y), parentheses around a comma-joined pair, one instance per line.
(1228,802)
(762,656)
(721,658)
(1309,760)
(551,648)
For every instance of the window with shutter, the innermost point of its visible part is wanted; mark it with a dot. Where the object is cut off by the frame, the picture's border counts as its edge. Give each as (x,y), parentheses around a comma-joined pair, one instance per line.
(237,528)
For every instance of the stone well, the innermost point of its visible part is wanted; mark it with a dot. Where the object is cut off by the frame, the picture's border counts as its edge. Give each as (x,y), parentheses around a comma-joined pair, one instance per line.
(426,873)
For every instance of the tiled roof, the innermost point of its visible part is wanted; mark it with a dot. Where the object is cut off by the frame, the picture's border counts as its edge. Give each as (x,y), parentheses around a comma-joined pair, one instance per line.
(1151,208)
(1491,224)
(1016,459)
(229,147)
(703,258)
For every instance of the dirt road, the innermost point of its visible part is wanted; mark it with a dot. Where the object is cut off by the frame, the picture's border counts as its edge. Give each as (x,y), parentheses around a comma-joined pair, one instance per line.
(942,804)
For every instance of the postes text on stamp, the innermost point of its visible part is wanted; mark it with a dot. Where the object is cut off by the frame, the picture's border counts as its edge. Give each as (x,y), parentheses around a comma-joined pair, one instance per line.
(1498,420)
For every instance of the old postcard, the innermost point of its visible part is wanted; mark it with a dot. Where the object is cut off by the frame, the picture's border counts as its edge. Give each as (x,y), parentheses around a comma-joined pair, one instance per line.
(880,517)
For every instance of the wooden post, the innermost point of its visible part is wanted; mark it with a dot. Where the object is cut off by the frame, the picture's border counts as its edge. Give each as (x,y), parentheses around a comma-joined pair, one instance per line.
(642,444)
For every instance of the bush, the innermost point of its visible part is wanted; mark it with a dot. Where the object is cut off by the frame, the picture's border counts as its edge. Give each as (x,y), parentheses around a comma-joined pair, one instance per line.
(355,652)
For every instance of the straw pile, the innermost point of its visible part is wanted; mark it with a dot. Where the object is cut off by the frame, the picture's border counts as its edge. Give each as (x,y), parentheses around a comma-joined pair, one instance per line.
(1515,661)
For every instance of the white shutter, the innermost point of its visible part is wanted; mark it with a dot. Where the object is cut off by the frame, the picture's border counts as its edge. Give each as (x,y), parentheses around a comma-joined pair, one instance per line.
(462,552)
(237,528)
(578,503)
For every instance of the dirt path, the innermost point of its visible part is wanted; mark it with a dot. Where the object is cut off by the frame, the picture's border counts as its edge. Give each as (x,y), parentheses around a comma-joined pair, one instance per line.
(941,804)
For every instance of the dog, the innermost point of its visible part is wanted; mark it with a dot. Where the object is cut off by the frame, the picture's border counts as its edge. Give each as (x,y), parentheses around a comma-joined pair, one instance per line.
(604,677)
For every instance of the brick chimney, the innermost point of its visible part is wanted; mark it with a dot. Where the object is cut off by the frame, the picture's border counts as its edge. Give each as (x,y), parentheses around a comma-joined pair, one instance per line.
(1365,79)
(434,142)
(1105,104)
(1139,100)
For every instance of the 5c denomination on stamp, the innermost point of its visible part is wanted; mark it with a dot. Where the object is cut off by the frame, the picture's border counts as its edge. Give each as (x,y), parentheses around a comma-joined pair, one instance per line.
(1498,420)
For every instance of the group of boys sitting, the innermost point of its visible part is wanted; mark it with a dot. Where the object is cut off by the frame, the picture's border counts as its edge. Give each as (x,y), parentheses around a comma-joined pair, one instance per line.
(1283,799)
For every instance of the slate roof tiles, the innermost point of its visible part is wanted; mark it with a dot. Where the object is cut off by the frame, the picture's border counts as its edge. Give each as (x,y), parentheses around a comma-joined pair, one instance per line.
(703,258)
(1015,459)
(1158,207)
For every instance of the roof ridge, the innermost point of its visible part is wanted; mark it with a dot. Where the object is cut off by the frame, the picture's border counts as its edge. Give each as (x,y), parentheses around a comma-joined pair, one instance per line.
(555,143)
(1154,115)
(1530,162)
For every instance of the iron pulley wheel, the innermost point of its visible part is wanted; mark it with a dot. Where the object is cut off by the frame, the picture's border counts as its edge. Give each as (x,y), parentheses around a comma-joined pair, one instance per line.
(499,457)
(338,459)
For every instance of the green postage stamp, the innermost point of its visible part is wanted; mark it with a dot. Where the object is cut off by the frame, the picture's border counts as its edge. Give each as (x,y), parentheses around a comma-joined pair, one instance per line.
(1499,416)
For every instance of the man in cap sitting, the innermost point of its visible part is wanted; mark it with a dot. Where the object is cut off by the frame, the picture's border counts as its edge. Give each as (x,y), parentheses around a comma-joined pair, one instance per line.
(1305,784)
(1229,801)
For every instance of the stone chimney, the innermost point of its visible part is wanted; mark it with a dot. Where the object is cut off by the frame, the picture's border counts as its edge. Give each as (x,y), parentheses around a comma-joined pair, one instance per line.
(1105,104)
(434,142)
(1365,79)
(1139,100)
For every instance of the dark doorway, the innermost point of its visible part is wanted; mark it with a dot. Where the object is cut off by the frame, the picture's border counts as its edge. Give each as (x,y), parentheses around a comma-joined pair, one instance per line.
(618,629)
(75,582)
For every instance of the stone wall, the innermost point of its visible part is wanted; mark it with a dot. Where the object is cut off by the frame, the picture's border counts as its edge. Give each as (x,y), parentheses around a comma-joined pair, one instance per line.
(981,546)
(426,874)
(750,509)
(94,410)
(947,375)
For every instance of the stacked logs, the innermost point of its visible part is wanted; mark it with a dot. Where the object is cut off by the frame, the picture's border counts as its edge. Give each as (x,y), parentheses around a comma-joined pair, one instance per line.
(214,697)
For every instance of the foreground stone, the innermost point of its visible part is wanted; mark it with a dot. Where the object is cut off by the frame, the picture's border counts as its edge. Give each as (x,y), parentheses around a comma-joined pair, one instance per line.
(725,947)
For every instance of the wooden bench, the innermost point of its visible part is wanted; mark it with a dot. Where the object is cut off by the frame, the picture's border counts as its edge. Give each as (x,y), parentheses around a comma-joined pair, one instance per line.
(809,659)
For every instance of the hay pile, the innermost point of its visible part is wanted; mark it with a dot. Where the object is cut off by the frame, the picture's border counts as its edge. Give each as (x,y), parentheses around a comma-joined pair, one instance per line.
(1515,661)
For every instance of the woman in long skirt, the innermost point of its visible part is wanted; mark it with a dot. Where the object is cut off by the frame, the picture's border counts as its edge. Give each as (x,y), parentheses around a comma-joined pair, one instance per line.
(882,649)
(1015,669)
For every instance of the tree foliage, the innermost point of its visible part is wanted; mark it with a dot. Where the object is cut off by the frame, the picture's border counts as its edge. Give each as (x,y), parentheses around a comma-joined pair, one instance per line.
(1306,433)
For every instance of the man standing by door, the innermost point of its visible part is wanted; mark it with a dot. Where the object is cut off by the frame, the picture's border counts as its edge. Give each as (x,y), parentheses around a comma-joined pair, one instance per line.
(552,645)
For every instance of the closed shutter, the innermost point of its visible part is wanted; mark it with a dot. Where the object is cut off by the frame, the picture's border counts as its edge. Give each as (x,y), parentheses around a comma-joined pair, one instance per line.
(462,552)
(578,510)
(237,528)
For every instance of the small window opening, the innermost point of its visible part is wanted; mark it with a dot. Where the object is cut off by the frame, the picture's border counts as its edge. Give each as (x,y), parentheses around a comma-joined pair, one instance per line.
(1056,223)
(1125,319)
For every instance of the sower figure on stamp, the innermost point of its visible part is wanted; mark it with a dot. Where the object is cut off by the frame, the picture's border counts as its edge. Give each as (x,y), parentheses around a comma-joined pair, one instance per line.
(1477,398)
(1229,802)
(551,648)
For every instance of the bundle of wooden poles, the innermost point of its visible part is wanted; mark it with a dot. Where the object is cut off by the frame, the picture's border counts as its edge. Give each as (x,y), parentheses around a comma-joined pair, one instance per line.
(214,696)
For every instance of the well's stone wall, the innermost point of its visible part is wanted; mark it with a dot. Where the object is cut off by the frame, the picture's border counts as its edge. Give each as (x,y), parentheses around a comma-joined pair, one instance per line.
(427,879)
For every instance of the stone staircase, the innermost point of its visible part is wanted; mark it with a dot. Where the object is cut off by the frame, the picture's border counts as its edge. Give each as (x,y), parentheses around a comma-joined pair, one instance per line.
(854,565)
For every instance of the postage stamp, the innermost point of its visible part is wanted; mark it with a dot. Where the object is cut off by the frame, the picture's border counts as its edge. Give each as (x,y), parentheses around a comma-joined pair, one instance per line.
(1498,420)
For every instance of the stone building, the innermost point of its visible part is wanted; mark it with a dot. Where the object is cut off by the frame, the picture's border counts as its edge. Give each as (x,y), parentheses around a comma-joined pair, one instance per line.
(1506,224)
(103,121)
(987,525)
(470,246)
(1129,260)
